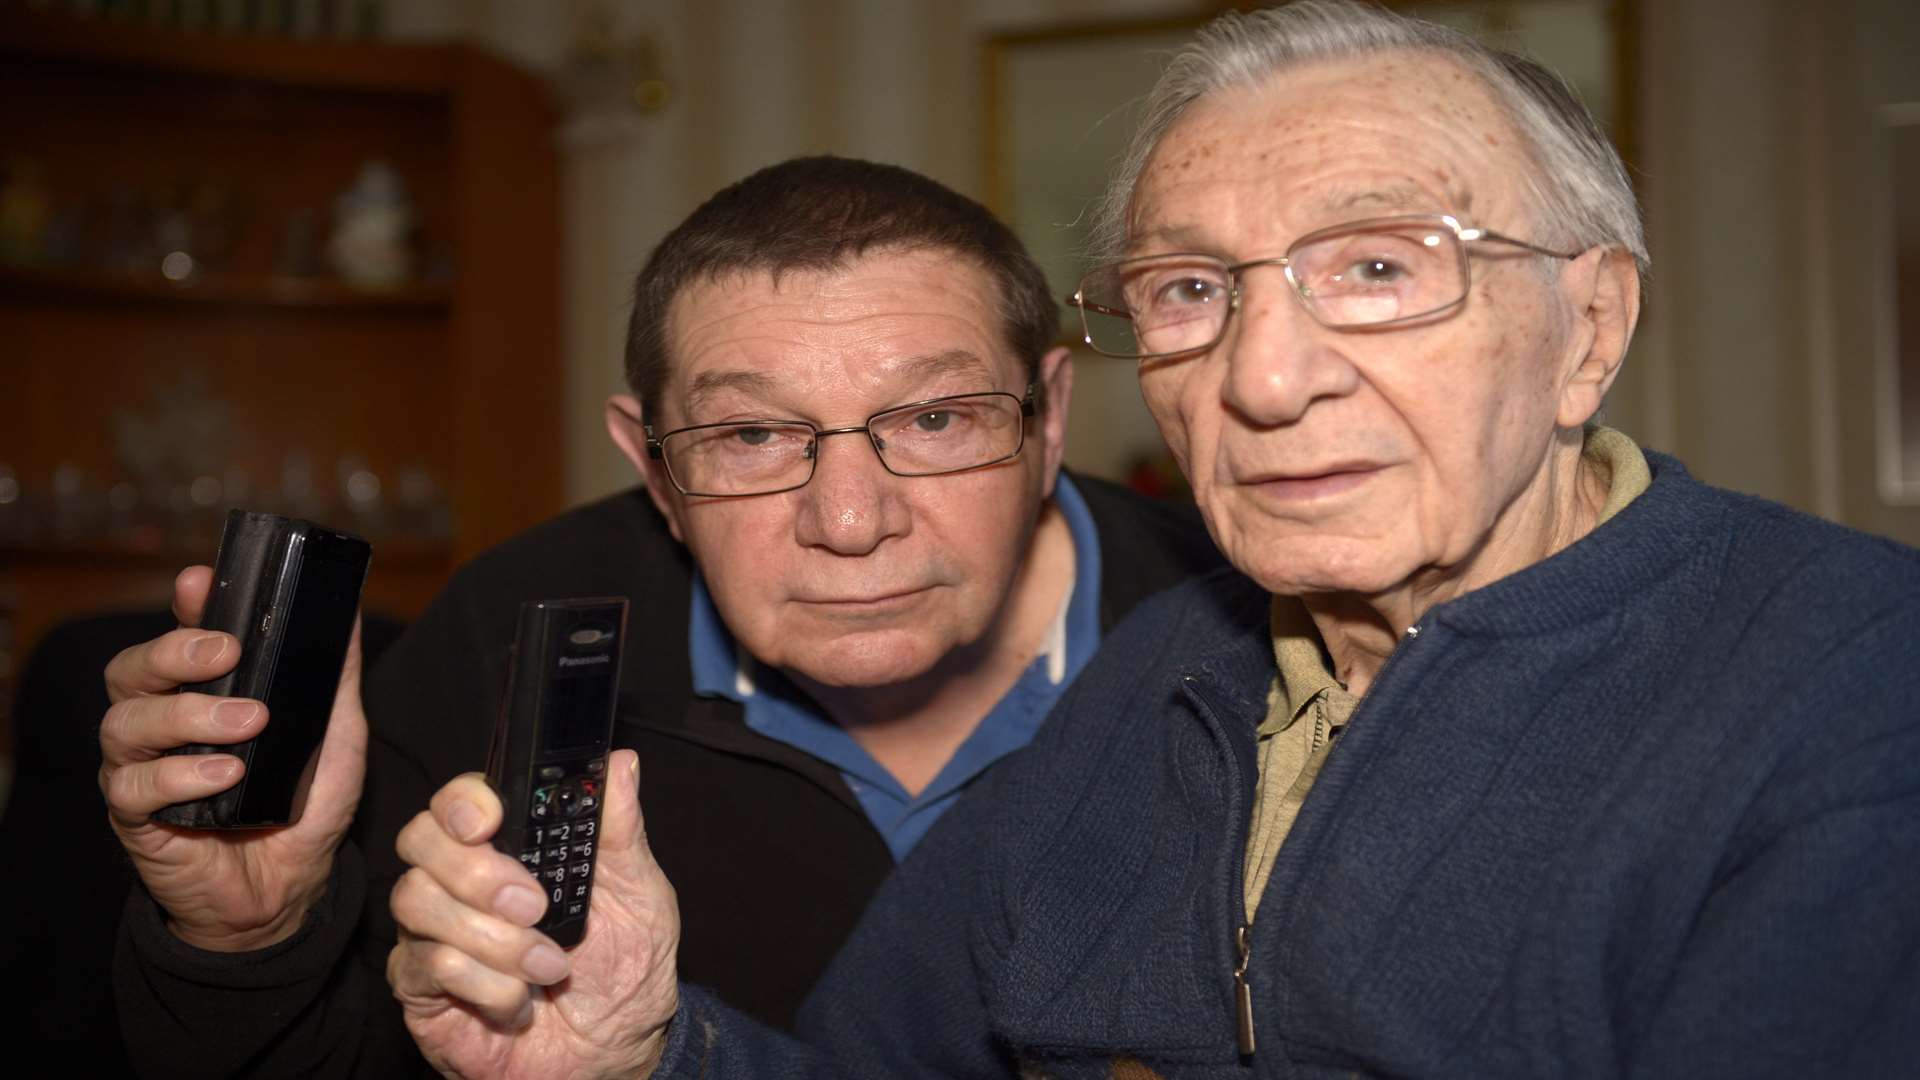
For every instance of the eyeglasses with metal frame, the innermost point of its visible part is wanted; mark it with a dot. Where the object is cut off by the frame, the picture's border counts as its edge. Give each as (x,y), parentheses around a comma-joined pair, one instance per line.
(1372,274)
(933,437)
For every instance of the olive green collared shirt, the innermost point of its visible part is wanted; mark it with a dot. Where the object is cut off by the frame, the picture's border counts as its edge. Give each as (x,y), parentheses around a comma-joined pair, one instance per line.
(1307,707)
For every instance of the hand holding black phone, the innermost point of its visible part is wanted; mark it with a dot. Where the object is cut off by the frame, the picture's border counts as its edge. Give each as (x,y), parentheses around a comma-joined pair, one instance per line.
(289,590)
(549,756)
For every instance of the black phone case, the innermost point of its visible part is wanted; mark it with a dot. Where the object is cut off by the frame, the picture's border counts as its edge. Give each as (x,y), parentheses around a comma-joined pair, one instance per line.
(549,755)
(288,590)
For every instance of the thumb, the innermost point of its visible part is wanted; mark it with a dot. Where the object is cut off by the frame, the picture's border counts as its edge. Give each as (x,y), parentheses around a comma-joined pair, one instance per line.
(343,754)
(623,830)
(350,666)
(346,695)
(624,982)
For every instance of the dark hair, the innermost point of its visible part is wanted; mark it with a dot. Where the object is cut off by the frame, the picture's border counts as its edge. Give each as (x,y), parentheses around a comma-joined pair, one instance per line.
(818,214)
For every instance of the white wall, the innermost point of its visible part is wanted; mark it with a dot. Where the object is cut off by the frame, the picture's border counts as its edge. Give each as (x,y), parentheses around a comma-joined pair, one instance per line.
(1756,359)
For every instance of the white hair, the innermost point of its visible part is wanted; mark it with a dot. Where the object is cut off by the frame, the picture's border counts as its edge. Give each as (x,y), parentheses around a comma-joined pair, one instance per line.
(1578,186)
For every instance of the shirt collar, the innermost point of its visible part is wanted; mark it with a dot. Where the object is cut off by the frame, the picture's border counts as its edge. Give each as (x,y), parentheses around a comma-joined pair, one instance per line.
(1304,671)
(1627,473)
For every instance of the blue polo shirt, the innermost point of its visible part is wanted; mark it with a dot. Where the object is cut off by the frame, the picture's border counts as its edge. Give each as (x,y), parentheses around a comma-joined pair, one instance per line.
(777,709)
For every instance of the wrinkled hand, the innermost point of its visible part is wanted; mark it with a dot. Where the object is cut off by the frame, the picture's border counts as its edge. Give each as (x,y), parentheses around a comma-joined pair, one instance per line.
(483,994)
(225,891)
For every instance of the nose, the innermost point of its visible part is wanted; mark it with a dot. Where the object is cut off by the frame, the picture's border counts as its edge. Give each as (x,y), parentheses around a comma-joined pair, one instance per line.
(1279,360)
(852,504)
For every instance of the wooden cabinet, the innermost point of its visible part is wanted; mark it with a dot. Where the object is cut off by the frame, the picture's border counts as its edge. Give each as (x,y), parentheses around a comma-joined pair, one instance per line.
(120,389)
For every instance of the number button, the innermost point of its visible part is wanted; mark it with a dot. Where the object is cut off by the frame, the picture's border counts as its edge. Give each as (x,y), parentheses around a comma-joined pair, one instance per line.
(579,871)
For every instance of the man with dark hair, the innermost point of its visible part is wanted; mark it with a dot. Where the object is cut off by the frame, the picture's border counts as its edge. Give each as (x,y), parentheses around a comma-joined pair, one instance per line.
(813,214)
(847,635)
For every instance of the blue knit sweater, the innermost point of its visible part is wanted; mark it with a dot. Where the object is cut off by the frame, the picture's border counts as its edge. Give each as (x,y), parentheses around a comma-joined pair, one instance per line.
(1649,807)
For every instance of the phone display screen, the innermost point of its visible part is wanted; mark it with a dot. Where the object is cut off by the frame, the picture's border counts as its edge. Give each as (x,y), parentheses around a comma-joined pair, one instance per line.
(577,708)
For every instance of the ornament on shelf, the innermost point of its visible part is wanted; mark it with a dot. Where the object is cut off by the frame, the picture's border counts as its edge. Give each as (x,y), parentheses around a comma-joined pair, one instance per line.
(371,243)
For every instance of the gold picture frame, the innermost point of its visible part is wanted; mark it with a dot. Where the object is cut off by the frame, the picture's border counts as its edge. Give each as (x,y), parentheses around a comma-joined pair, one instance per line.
(1897,363)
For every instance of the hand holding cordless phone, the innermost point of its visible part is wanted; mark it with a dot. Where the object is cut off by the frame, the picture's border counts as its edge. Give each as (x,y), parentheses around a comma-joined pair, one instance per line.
(549,756)
(289,591)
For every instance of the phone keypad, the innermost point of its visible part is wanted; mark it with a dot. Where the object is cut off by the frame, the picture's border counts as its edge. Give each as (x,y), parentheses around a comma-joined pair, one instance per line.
(562,831)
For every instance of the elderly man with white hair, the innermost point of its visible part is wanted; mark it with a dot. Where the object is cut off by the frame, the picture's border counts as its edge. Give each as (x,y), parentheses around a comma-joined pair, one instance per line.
(1509,750)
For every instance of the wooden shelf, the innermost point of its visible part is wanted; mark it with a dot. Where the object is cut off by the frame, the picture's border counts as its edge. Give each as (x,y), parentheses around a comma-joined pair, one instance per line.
(331,65)
(118,118)
(80,286)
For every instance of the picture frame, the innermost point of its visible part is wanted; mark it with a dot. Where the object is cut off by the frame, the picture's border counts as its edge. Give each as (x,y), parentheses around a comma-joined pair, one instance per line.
(1897,303)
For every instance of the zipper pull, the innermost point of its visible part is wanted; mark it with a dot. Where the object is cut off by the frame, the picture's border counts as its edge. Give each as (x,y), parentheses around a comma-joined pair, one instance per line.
(1243,990)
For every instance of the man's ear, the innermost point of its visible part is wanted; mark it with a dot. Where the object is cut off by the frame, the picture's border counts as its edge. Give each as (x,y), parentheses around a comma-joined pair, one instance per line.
(1603,286)
(1056,377)
(626,426)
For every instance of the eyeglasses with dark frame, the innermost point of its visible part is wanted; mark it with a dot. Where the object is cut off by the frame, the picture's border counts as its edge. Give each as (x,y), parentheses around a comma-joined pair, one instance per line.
(932,437)
(1372,274)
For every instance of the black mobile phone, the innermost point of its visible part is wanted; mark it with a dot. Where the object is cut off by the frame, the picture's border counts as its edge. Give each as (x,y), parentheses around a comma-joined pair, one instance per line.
(289,590)
(549,756)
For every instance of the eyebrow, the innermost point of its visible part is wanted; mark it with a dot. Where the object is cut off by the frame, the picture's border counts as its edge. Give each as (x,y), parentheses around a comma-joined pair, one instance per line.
(926,368)
(1340,201)
(1175,237)
(1397,197)
(710,384)
(950,362)
(1325,208)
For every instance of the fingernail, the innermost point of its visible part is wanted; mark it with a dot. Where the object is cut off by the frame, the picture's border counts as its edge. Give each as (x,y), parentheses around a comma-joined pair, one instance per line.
(519,904)
(525,1016)
(207,648)
(465,821)
(216,768)
(544,964)
(234,715)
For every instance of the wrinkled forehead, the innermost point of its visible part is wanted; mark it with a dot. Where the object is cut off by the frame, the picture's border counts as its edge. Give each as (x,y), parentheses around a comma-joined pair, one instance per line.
(1333,141)
(887,270)
(901,284)
(877,318)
